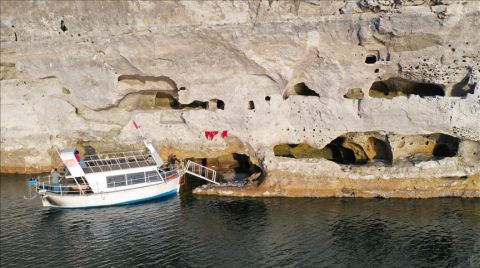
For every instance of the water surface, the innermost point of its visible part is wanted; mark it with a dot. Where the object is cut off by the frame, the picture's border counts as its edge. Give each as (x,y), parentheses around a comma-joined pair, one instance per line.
(194,231)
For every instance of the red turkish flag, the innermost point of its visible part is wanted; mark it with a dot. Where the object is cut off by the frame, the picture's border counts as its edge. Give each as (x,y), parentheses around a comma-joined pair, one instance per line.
(211,134)
(135,124)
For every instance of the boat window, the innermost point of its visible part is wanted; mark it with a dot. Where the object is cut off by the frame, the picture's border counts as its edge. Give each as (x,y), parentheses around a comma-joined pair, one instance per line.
(135,178)
(116,181)
(152,176)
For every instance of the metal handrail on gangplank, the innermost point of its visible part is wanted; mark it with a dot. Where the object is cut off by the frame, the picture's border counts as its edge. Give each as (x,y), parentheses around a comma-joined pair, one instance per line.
(201,172)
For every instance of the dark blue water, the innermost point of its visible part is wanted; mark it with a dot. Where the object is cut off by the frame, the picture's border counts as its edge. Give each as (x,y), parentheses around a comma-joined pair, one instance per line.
(191,231)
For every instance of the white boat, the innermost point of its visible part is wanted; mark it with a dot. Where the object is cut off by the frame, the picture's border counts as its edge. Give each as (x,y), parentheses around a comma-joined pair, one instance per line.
(115,179)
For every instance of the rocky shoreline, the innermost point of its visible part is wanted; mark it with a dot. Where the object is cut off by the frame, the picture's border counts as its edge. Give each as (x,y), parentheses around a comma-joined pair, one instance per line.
(283,184)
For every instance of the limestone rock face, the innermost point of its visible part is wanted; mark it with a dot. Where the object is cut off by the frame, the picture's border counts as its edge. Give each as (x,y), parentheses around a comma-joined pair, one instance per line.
(75,73)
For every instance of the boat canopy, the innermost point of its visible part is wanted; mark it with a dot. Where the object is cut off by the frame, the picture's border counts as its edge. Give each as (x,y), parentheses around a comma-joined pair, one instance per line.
(68,157)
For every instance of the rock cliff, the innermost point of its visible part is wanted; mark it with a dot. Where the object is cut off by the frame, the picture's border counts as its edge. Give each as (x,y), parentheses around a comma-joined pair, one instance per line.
(325,98)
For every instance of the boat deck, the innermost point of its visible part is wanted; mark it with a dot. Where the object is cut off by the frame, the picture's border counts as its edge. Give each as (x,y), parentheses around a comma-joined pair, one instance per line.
(116,161)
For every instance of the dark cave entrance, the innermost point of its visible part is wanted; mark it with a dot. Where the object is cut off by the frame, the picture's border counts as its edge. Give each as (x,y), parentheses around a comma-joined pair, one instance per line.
(336,151)
(251,105)
(339,153)
(446,146)
(370,59)
(340,150)
(394,87)
(382,150)
(169,99)
(231,168)
(303,90)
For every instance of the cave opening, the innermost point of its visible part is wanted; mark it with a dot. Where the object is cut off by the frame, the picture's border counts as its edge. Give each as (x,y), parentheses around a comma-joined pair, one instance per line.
(195,105)
(370,59)
(446,146)
(303,90)
(232,167)
(341,150)
(381,149)
(166,100)
(341,154)
(395,86)
(358,148)
(169,99)
(267,98)
(62,26)
(251,105)
(221,104)
(334,151)
(244,165)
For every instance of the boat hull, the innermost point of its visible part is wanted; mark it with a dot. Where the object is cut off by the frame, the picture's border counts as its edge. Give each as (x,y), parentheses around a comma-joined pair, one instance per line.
(119,197)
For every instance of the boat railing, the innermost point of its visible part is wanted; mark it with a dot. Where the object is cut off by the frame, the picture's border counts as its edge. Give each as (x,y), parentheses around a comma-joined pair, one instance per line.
(163,176)
(116,161)
(44,183)
(200,171)
(64,186)
(62,189)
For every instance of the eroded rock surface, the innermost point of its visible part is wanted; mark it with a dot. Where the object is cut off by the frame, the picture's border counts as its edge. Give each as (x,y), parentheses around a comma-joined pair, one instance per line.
(369,72)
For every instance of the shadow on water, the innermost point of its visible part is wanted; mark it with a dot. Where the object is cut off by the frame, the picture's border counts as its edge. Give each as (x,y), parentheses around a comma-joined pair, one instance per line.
(50,214)
(360,236)
(241,208)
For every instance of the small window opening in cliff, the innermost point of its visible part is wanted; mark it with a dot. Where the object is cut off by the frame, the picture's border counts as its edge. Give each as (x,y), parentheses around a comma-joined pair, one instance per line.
(267,98)
(303,90)
(394,87)
(251,105)
(370,59)
(446,146)
(216,104)
(62,26)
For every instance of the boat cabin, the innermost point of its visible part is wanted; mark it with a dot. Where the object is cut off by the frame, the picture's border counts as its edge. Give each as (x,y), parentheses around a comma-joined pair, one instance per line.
(114,171)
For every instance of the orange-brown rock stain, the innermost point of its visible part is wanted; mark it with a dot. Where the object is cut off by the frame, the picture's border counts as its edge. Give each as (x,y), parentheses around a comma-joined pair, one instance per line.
(294,185)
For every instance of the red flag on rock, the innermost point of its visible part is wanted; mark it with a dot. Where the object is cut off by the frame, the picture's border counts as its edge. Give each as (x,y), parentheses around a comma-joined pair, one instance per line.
(210,134)
(135,124)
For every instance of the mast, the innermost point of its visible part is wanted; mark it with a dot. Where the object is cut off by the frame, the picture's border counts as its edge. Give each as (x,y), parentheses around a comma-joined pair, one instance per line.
(149,145)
